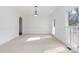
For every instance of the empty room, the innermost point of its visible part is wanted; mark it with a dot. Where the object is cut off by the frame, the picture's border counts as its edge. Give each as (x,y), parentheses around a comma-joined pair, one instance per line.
(39,29)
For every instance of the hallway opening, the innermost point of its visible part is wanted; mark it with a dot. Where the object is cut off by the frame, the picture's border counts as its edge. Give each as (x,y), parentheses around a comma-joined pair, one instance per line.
(20,26)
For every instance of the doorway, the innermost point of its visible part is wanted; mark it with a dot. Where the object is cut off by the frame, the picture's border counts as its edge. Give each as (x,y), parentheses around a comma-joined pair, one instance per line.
(20,25)
(53,26)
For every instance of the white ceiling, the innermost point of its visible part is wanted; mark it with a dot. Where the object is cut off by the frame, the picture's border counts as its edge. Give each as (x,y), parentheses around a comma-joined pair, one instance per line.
(29,10)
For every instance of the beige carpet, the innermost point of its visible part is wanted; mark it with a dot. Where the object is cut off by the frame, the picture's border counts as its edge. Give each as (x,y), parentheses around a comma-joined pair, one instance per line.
(34,44)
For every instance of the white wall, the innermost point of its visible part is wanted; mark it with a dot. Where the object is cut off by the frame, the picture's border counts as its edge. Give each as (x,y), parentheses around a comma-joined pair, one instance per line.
(59,16)
(8,24)
(36,25)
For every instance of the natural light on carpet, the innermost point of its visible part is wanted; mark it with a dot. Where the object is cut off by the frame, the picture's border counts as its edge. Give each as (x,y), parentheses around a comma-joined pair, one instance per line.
(56,50)
(33,38)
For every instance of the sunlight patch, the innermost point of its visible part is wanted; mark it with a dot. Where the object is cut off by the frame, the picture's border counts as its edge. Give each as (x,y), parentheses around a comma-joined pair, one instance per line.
(55,50)
(33,38)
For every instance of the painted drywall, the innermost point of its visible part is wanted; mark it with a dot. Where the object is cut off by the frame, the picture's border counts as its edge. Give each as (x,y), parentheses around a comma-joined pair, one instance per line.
(8,24)
(36,24)
(59,16)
